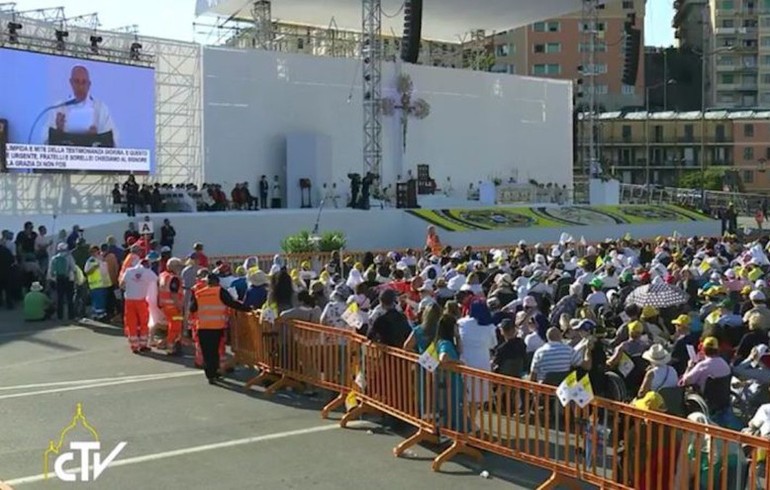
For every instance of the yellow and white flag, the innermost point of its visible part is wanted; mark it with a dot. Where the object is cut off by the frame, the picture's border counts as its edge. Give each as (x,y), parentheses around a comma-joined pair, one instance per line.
(565,390)
(583,392)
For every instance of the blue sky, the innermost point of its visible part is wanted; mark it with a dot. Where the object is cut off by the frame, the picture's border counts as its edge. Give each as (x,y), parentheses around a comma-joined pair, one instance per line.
(174,18)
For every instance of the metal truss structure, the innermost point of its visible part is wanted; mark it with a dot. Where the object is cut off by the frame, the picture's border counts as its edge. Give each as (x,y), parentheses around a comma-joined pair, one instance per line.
(587,89)
(178,100)
(261,11)
(371,69)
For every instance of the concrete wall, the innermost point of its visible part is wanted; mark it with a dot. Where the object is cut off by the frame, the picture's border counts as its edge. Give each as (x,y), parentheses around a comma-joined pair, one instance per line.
(245,233)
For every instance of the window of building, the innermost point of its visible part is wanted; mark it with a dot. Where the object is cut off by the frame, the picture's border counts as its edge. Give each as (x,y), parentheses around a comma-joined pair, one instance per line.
(628,89)
(599,89)
(657,134)
(728,23)
(539,48)
(553,48)
(727,4)
(765,59)
(767,153)
(689,131)
(726,60)
(300,43)
(626,132)
(628,4)
(503,50)
(765,21)
(590,26)
(748,176)
(748,130)
(552,26)
(765,78)
(720,132)
(595,69)
(764,41)
(725,98)
(546,69)
(728,42)
(599,47)
(727,78)
(748,153)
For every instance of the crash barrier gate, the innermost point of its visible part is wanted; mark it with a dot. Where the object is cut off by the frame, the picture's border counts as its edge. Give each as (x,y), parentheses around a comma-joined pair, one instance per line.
(318,259)
(606,443)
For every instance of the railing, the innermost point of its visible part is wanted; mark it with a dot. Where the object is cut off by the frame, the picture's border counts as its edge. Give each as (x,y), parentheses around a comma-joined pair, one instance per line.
(745,203)
(608,444)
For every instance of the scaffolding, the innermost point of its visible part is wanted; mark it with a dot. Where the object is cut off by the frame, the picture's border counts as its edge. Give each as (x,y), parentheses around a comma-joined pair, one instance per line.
(178,102)
(588,127)
(371,62)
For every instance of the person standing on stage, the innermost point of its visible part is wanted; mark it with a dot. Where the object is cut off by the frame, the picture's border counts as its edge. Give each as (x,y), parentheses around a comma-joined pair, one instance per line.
(138,282)
(264,190)
(211,304)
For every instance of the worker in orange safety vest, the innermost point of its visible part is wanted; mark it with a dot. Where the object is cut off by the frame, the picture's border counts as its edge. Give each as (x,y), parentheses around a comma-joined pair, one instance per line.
(201,281)
(171,301)
(211,304)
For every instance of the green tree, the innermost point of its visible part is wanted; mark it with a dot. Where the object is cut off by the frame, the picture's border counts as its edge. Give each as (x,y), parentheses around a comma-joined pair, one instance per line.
(712,178)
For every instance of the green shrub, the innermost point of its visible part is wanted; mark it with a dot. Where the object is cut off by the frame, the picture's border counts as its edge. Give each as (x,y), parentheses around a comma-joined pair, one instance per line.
(303,242)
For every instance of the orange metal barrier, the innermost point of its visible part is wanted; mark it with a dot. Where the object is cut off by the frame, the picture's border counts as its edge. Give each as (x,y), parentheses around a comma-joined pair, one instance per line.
(608,444)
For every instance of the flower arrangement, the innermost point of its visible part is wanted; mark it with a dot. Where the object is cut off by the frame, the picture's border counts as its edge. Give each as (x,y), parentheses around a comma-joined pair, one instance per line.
(305,242)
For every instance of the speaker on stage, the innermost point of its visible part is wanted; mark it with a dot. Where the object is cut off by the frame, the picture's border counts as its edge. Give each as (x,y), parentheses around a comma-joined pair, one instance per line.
(406,194)
(410,45)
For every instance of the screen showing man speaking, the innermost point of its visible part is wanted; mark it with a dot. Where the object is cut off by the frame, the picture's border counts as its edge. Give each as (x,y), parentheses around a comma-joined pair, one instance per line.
(71,114)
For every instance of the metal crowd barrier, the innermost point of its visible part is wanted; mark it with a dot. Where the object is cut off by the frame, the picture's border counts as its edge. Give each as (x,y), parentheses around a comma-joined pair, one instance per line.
(606,443)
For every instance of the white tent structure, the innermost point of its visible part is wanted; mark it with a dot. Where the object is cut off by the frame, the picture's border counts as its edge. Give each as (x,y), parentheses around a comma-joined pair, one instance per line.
(442,19)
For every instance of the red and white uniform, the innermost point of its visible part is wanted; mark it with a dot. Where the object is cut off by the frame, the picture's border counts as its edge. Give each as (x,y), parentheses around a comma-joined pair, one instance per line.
(138,282)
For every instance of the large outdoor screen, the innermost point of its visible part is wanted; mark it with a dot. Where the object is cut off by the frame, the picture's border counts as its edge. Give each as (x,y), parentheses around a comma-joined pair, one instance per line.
(67,114)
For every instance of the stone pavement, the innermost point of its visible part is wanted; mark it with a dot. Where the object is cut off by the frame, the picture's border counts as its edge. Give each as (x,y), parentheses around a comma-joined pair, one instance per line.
(182,433)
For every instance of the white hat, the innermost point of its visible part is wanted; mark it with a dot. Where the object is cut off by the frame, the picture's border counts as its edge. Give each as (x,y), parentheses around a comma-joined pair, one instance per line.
(761,283)
(62,247)
(730,274)
(427,287)
(456,283)
(757,296)
(36,286)
(657,355)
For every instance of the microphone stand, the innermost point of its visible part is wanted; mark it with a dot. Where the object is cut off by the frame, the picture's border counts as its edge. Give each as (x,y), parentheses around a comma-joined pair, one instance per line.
(318,219)
(43,113)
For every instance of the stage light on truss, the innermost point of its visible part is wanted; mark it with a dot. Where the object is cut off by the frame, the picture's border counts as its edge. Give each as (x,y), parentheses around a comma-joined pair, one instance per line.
(95,41)
(13,32)
(135,51)
(61,37)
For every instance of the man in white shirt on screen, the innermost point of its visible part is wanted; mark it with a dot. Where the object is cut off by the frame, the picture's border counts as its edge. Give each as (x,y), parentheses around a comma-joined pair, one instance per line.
(82,114)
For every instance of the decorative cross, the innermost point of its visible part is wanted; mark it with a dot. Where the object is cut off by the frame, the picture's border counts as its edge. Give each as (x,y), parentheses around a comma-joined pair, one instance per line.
(406,103)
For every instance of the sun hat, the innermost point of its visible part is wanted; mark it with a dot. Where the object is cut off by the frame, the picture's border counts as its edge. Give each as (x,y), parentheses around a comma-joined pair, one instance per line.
(657,355)
(635,327)
(757,296)
(710,343)
(36,287)
(257,278)
(683,320)
(649,312)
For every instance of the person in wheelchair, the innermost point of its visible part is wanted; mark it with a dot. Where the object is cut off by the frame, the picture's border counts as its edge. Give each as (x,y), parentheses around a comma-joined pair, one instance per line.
(659,374)
(711,366)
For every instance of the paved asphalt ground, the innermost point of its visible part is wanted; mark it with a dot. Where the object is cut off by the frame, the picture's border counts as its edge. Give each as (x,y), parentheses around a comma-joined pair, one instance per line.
(183,434)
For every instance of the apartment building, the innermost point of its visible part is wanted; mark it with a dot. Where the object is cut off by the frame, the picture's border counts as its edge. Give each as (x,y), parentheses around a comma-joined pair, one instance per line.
(733,36)
(556,48)
(668,144)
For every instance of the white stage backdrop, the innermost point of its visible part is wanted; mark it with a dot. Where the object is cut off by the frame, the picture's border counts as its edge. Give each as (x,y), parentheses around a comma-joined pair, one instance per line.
(481,126)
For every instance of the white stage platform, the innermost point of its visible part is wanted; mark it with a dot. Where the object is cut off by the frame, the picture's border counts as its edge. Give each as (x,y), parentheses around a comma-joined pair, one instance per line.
(260,232)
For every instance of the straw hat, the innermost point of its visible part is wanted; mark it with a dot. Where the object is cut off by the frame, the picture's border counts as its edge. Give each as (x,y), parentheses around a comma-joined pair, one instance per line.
(657,355)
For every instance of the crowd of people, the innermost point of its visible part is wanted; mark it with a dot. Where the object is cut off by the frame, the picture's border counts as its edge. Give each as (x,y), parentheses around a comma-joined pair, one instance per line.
(131,197)
(529,311)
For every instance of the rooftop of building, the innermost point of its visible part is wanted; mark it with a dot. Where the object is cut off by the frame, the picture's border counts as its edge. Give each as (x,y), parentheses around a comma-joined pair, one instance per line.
(716,114)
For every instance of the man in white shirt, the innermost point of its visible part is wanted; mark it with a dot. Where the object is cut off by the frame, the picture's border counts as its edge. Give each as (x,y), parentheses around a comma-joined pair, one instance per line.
(139,282)
(82,114)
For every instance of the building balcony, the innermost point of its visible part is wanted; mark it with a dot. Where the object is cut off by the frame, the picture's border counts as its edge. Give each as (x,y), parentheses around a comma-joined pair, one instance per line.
(727,68)
(725,31)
